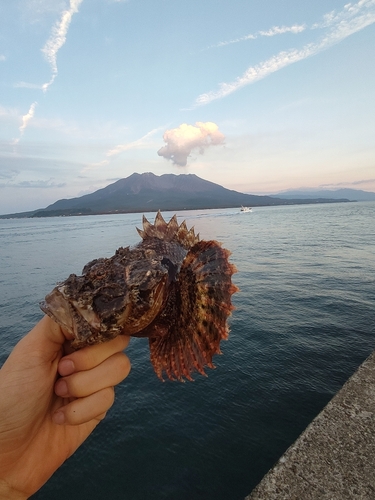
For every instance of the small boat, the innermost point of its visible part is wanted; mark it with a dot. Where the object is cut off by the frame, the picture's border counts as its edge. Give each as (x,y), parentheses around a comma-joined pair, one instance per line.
(245,209)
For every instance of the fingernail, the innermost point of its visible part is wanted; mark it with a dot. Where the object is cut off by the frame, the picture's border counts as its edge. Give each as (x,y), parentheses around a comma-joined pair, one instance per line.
(59,417)
(61,388)
(66,367)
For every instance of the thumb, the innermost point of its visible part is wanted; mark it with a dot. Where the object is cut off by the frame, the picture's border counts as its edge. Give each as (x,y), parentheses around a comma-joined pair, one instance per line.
(42,348)
(47,338)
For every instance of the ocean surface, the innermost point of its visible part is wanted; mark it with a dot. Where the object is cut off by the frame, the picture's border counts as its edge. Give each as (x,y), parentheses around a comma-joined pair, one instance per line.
(304,321)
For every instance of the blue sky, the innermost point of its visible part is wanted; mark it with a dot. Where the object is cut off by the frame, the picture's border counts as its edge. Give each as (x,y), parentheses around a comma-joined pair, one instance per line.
(259,96)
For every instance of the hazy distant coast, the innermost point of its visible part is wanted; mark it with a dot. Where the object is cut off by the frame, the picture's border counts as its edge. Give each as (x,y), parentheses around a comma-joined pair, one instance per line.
(148,192)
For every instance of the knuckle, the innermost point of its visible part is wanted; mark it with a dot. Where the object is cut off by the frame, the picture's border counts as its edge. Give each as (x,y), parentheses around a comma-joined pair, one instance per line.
(123,363)
(101,417)
(108,397)
(86,357)
(74,387)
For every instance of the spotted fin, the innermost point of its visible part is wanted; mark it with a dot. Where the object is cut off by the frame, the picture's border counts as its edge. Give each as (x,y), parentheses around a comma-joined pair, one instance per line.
(168,231)
(188,332)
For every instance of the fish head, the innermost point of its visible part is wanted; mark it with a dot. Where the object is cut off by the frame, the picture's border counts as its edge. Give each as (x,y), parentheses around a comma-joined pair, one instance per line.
(110,298)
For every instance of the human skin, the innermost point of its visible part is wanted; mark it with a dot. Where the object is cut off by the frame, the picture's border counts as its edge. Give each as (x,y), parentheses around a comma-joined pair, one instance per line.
(51,399)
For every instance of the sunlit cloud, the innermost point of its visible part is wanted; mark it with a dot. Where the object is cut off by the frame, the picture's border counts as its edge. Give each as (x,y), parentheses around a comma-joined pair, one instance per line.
(353,18)
(58,38)
(25,120)
(2,58)
(181,141)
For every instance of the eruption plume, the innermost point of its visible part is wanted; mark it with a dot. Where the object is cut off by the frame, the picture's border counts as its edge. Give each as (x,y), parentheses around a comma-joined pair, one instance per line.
(181,141)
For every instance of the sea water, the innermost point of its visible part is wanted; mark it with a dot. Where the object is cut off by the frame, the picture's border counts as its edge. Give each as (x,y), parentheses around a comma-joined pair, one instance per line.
(304,321)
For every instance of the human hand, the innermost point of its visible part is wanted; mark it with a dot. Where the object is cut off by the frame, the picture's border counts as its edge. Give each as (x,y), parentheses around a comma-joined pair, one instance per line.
(51,400)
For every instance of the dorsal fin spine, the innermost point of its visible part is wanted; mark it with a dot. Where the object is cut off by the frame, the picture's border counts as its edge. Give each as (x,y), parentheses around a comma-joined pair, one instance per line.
(168,231)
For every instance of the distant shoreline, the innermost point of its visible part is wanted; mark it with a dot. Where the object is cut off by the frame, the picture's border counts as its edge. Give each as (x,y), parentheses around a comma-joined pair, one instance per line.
(44,213)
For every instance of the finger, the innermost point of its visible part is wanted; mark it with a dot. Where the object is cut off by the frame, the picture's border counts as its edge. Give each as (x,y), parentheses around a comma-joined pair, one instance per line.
(91,356)
(45,339)
(81,384)
(83,410)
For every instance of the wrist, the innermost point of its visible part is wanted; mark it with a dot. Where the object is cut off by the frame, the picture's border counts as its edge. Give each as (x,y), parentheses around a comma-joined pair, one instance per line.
(9,493)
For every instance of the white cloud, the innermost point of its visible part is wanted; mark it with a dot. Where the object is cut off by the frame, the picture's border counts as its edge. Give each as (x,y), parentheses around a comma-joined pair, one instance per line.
(25,120)
(353,18)
(138,144)
(349,10)
(38,11)
(275,30)
(8,174)
(26,85)
(280,30)
(142,143)
(11,113)
(58,38)
(92,166)
(2,57)
(50,183)
(181,141)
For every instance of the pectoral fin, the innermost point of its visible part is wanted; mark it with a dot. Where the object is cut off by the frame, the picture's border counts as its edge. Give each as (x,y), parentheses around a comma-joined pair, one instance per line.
(187,334)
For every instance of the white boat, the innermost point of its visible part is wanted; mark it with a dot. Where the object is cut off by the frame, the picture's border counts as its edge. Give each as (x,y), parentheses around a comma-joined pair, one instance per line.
(245,209)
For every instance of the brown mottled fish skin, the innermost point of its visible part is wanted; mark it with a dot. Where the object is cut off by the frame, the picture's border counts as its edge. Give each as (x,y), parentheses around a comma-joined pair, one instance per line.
(171,288)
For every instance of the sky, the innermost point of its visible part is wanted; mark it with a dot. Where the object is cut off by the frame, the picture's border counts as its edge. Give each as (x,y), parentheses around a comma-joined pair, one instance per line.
(259,96)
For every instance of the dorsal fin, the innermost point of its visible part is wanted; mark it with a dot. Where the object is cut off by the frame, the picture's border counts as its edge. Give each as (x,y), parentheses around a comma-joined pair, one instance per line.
(168,231)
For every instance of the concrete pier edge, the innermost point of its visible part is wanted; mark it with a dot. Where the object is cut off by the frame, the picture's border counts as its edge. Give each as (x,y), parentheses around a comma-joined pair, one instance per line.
(334,458)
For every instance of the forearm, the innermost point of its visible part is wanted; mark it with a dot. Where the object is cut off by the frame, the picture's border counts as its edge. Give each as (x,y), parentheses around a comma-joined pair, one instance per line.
(8,493)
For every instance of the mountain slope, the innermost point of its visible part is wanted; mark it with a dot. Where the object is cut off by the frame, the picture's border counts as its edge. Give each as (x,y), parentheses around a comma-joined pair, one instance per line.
(148,193)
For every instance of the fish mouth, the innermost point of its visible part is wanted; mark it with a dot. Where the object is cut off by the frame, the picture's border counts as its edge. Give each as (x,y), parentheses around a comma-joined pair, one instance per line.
(134,318)
(134,321)
(57,307)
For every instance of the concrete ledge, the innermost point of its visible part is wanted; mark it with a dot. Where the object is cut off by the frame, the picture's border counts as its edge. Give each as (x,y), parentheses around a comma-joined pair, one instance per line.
(334,458)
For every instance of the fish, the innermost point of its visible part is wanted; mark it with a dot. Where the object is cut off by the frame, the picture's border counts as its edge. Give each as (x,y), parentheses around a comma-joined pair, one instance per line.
(171,287)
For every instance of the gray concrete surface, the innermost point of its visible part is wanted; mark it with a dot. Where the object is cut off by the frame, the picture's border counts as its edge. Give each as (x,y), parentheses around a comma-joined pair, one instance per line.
(334,458)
